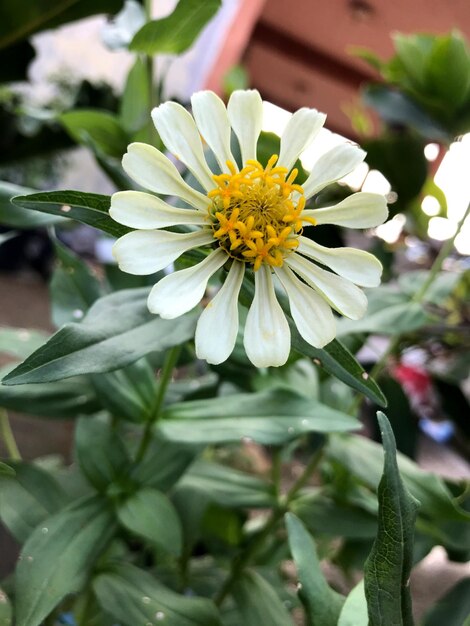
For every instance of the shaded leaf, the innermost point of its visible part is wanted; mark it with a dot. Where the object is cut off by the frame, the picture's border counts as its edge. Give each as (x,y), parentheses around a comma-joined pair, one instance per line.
(258,603)
(151,515)
(322,604)
(20,342)
(135,101)
(133,597)
(74,538)
(387,569)
(354,611)
(17,217)
(6,613)
(453,609)
(101,127)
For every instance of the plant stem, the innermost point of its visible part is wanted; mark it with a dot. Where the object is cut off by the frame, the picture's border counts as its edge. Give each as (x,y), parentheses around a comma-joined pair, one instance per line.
(257,541)
(8,437)
(150,66)
(417,298)
(170,361)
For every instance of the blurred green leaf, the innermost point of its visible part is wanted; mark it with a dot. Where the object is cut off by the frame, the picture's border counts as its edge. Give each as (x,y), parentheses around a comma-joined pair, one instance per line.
(101,453)
(148,513)
(441,288)
(88,208)
(177,32)
(448,70)
(354,611)
(135,102)
(387,569)
(391,320)
(6,613)
(17,217)
(339,362)
(227,486)
(27,498)
(117,330)
(101,127)
(271,417)
(20,342)
(6,470)
(258,603)
(322,604)
(236,78)
(72,541)
(133,597)
(73,287)
(453,609)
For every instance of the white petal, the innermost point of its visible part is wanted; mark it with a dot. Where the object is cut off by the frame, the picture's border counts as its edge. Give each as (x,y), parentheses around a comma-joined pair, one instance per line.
(359,266)
(267,334)
(245,111)
(212,120)
(360,210)
(332,166)
(341,294)
(152,169)
(217,327)
(180,292)
(178,131)
(311,313)
(301,130)
(137,209)
(148,251)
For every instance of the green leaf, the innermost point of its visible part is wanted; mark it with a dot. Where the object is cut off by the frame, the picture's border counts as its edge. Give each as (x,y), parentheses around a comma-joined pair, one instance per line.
(58,557)
(19,20)
(227,486)
(163,464)
(20,342)
(6,613)
(17,217)
(177,32)
(135,101)
(448,70)
(134,597)
(340,363)
(271,417)
(100,452)
(6,470)
(258,603)
(354,611)
(62,400)
(88,208)
(394,320)
(322,604)
(101,127)
(27,498)
(453,609)
(387,569)
(74,287)
(441,289)
(117,330)
(363,458)
(129,393)
(150,514)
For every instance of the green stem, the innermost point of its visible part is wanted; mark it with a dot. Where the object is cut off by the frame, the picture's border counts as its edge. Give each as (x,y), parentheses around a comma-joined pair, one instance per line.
(417,298)
(8,437)
(150,66)
(257,541)
(170,361)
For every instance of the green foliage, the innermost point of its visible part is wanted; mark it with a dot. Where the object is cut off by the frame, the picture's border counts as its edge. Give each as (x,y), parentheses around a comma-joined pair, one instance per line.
(177,32)
(6,613)
(135,102)
(387,570)
(73,539)
(354,611)
(17,217)
(133,596)
(453,609)
(323,605)
(257,602)
(99,127)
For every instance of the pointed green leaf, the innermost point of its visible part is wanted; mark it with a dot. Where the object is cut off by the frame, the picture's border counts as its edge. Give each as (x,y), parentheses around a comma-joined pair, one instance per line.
(151,515)
(134,597)
(87,208)
(101,127)
(58,557)
(135,103)
(271,417)
(177,32)
(258,603)
(117,330)
(322,604)
(387,569)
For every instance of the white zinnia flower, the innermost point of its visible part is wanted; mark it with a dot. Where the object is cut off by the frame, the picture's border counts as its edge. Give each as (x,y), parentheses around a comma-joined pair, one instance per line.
(253,219)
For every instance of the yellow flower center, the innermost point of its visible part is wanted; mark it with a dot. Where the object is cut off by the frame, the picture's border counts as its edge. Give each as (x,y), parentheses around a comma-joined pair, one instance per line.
(256,213)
